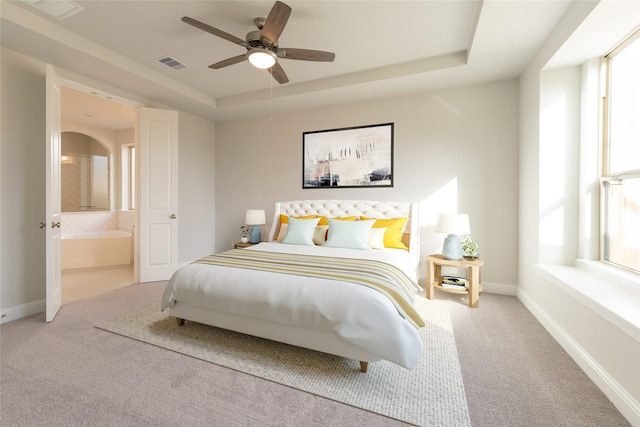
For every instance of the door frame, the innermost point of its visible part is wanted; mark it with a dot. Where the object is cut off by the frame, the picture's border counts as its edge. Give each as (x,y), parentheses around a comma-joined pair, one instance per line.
(62,81)
(53,209)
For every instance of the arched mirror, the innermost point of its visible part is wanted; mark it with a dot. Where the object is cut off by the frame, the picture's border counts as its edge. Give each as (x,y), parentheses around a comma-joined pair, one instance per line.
(85,173)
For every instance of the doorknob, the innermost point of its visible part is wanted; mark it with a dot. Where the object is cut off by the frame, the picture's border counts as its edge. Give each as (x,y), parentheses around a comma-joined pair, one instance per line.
(55,224)
(43,225)
(173,216)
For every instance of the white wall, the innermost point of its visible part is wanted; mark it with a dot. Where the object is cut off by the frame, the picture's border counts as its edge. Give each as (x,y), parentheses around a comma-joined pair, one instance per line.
(454,150)
(552,195)
(558,175)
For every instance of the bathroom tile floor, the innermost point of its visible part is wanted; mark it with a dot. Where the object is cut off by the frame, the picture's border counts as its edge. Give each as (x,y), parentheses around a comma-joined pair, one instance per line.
(80,283)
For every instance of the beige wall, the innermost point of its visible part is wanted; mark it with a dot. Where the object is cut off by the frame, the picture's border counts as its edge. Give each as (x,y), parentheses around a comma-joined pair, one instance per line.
(453,149)
(196,183)
(22,242)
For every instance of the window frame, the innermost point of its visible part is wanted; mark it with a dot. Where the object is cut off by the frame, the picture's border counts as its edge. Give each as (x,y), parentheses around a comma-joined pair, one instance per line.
(606,177)
(128,177)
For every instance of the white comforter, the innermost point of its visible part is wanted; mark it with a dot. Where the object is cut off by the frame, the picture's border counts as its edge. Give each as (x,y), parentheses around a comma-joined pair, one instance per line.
(358,314)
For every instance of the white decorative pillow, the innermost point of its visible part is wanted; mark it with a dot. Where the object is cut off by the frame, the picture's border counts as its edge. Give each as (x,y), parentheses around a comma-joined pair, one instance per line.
(320,234)
(300,231)
(376,238)
(349,234)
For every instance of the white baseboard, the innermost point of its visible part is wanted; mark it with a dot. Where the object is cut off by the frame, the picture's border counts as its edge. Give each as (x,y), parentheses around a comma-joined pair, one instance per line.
(499,288)
(23,310)
(626,404)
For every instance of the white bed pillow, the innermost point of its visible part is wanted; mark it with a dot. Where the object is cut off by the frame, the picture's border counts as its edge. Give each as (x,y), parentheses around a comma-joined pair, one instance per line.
(319,234)
(349,234)
(376,238)
(300,231)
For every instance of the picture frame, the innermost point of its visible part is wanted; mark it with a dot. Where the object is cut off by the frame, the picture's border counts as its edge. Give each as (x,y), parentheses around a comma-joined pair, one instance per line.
(351,157)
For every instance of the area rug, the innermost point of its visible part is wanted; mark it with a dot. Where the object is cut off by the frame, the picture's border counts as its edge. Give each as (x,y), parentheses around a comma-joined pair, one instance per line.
(430,395)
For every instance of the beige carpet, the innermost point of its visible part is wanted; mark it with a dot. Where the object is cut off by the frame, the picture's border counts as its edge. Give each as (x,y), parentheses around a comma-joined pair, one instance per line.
(430,395)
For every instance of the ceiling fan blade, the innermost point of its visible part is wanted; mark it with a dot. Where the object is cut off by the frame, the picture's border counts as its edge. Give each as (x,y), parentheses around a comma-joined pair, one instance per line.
(305,54)
(278,74)
(227,62)
(274,25)
(216,32)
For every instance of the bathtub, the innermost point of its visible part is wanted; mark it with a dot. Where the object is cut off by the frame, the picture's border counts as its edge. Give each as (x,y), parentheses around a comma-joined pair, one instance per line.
(96,249)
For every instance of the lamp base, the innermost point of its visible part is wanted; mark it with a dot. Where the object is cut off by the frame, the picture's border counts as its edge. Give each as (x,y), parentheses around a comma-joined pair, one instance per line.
(452,247)
(255,236)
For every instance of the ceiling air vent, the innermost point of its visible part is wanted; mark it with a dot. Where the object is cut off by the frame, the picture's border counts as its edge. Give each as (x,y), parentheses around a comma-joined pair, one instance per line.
(61,9)
(172,63)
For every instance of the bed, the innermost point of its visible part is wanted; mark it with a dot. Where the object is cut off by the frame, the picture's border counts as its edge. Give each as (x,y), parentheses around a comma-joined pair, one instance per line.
(333,293)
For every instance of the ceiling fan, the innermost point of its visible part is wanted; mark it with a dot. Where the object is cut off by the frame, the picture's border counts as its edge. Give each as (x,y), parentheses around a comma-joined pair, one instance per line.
(262,44)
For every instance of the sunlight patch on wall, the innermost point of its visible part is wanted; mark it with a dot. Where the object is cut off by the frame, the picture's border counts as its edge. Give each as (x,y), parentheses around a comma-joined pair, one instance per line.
(443,200)
(552,172)
(552,153)
(551,228)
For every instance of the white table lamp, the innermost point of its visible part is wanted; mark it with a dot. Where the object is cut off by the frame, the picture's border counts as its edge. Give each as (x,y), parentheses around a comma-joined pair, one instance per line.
(255,218)
(452,225)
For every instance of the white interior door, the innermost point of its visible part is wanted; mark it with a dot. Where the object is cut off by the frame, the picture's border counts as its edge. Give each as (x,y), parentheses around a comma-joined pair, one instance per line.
(158,194)
(53,209)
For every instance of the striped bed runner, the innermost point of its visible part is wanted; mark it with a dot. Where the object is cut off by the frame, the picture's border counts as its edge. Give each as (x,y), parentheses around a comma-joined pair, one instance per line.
(383,277)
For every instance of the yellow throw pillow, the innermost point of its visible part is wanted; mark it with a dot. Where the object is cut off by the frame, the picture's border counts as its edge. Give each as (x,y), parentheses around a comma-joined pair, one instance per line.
(393,235)
(325,221)
(284,219)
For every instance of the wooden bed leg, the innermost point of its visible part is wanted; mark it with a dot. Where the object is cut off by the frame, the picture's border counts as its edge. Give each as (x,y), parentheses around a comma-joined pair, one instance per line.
(364,366)
(180,321)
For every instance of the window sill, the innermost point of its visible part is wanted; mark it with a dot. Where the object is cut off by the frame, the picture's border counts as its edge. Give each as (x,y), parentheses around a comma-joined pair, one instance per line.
(613,294)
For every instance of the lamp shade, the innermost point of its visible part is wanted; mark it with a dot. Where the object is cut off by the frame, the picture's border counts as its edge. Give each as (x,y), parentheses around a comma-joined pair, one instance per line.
(255,217)
(453,224)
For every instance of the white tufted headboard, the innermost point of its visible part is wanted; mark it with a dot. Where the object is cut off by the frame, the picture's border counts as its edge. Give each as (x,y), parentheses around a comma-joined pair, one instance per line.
(370,209)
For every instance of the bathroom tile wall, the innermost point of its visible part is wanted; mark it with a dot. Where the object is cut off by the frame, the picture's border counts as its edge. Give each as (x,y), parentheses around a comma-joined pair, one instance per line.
(126,220)
(86,222)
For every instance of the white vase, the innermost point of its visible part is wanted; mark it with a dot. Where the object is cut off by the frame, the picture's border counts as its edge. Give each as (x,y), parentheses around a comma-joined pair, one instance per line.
(244,239)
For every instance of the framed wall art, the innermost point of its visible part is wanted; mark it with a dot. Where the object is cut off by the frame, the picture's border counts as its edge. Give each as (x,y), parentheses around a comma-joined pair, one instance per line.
(360,156)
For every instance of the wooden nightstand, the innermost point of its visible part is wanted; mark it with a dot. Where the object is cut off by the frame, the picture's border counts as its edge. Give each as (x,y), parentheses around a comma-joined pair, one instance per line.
(243,245)
(434,276)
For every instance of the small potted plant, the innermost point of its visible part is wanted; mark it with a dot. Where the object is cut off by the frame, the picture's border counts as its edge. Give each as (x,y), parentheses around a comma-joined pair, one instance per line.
(245,232)
(469,248)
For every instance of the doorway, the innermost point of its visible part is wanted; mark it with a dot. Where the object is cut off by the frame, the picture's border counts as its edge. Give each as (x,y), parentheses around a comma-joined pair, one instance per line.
(88,230)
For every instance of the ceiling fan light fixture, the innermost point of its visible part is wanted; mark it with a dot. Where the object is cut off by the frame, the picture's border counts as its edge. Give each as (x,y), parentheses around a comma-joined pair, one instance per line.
(261,58)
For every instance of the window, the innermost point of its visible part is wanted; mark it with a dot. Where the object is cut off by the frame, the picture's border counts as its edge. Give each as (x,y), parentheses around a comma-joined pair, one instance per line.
(132,177)
(620,183)
(129,177)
